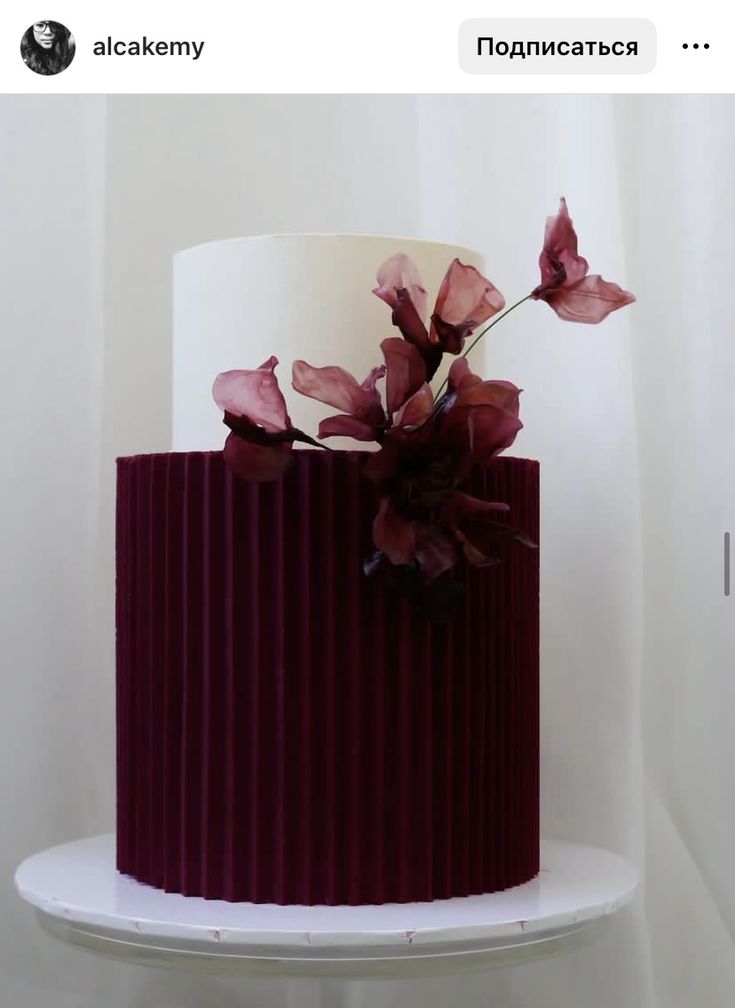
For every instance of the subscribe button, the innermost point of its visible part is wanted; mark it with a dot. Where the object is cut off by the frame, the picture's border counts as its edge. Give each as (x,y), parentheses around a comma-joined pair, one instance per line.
(557,45)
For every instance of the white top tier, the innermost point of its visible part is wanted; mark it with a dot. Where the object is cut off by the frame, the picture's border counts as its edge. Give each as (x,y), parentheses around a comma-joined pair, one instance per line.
(306,297)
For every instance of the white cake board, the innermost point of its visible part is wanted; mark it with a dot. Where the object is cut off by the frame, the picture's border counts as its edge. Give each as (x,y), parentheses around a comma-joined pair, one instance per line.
(82,899)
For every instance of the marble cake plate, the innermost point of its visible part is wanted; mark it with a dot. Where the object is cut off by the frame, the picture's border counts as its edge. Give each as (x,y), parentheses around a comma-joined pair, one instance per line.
(81,899)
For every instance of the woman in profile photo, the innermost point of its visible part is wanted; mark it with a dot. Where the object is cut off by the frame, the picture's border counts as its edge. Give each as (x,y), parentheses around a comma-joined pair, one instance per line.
(47,47)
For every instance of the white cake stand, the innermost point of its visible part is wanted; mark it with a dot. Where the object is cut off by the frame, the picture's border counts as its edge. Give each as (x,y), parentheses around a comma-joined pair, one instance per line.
(81,899)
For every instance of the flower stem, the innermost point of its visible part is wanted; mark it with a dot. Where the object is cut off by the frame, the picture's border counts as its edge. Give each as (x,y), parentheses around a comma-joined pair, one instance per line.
(481,334)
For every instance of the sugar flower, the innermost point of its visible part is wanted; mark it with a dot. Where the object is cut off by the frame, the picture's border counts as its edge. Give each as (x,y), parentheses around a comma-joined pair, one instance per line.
(478,418)
(566,284)
(424,520)
(465,300)
(261,437)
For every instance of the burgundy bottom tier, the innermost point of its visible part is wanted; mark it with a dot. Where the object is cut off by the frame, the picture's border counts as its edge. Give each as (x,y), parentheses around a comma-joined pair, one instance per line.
(293,731)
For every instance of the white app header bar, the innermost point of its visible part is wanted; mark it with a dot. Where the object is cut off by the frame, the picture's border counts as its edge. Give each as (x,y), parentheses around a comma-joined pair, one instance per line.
(382,46)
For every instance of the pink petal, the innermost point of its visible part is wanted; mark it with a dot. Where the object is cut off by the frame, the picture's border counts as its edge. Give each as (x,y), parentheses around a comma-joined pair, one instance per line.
(560,250)
(417,409)
(399,273)
(406,372)
(346,426)
(375,375)
(254,462)
(337,387)
(589,300)
(466,297)
(254,394)
(393,535)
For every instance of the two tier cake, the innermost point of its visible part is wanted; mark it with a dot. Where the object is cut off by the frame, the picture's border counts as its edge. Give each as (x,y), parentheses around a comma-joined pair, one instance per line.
(292,729)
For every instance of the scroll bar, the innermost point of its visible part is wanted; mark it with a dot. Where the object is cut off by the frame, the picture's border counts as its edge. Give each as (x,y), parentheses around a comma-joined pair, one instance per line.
(727,563)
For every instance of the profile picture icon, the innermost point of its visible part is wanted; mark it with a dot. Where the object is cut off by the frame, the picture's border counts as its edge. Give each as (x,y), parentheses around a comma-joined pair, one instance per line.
(47,48)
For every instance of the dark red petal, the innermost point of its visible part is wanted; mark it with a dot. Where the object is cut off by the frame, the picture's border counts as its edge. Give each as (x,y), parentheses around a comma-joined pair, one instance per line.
(383,465)
(479,432)
(491,431)
(484,542)
(480,536)
(461,507)
(460,372)
(336,387)
(255,462)
(346,426)
(406,318)
(450,338)
(589,300)
(406,372)
(254,394)
(473,555)
(393,535)
(399,273)
(481,418)
(434,551)
(503,394)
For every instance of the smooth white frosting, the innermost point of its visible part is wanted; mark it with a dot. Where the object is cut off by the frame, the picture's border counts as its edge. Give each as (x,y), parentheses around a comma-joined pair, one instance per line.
(309,297)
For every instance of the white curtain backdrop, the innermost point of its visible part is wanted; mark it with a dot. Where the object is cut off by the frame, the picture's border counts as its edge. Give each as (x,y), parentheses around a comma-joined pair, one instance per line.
(632,420)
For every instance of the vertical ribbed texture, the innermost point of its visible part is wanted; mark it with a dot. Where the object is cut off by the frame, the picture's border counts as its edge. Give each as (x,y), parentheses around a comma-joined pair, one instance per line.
(291,731)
